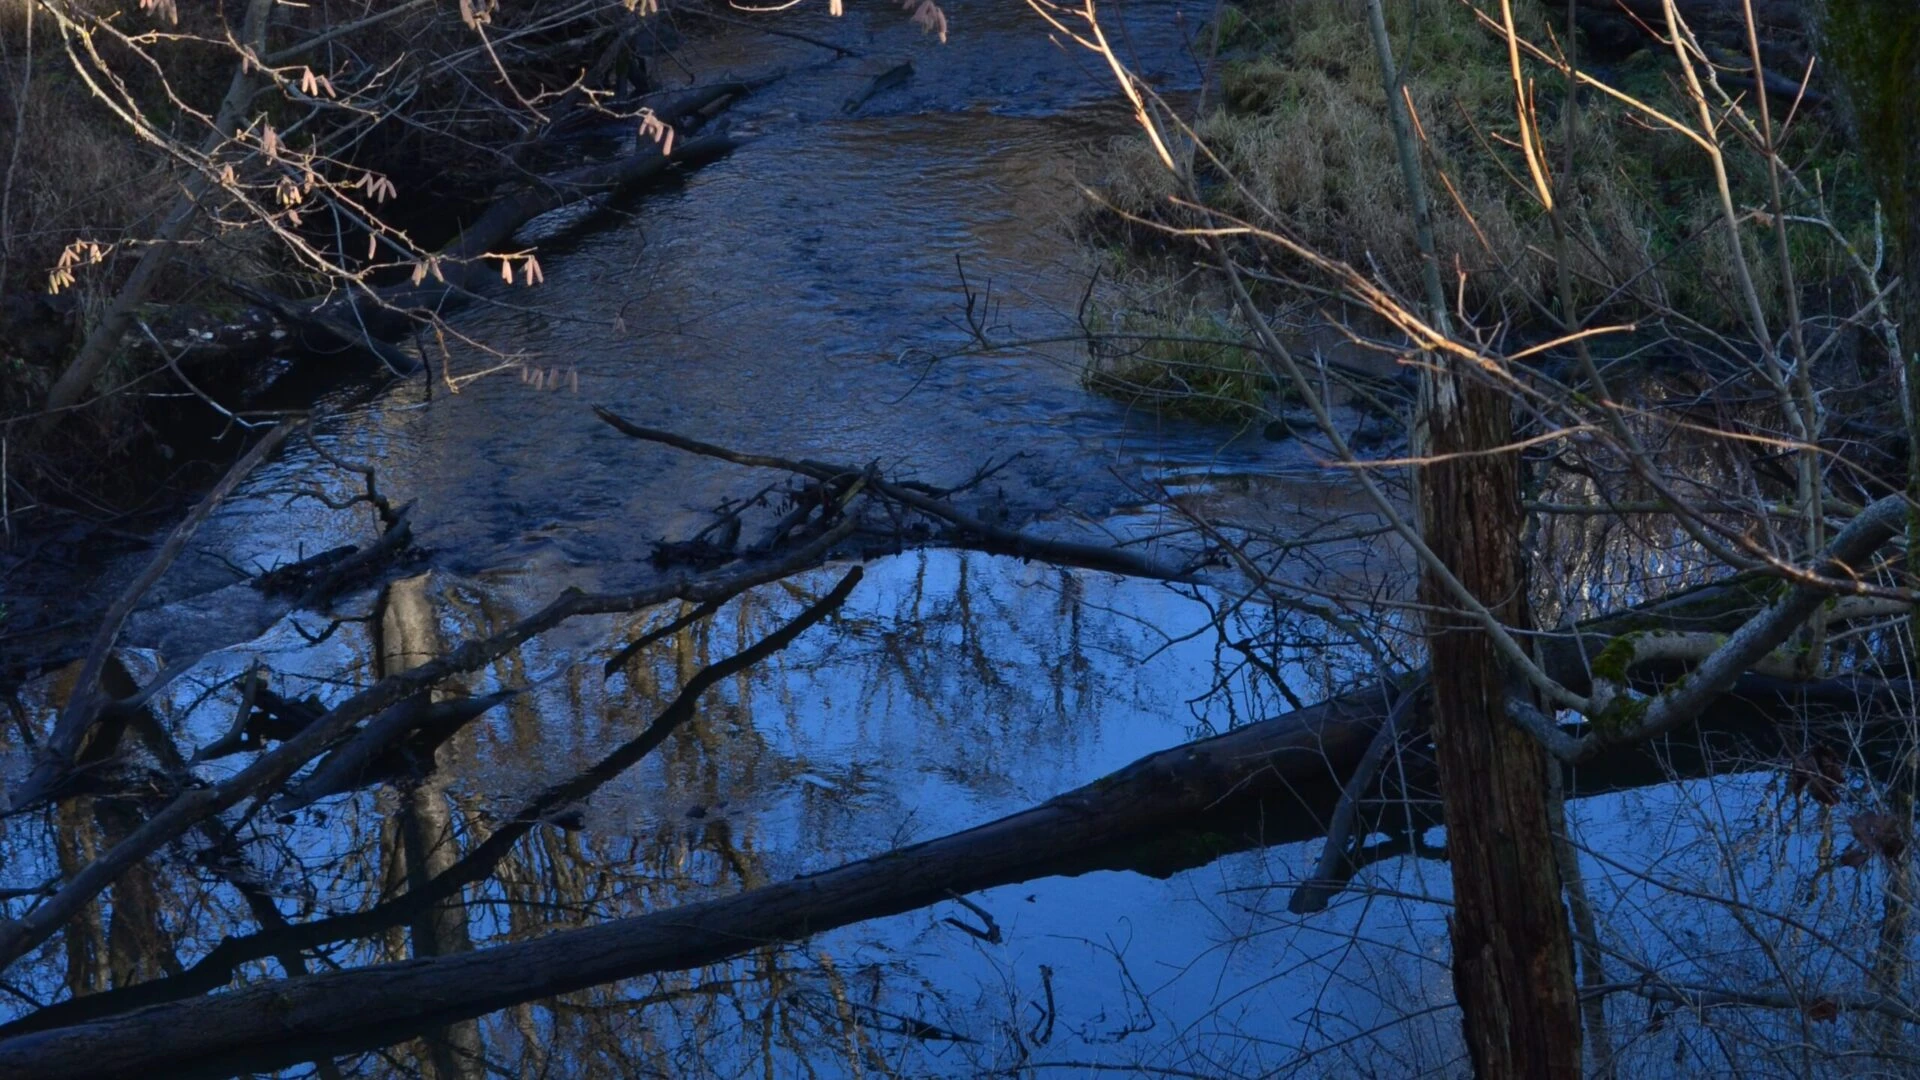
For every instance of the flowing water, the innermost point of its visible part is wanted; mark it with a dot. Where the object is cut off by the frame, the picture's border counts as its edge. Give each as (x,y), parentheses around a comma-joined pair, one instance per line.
(789,299)
(786,300)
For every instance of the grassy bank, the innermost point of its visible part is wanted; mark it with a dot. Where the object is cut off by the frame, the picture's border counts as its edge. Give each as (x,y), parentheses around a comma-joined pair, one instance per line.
(1297,138)
(1183,357)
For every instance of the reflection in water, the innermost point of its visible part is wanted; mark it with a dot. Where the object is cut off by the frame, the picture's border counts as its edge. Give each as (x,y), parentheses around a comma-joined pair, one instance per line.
(949,690)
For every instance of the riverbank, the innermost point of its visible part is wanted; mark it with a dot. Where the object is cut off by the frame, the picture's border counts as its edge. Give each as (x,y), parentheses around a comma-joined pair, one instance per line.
(151,174)
(768,302)
(1296,139)
(679,656)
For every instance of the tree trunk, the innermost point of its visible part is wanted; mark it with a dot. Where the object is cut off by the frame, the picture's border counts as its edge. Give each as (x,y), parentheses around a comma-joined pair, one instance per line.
(1271,782)
(1512,953)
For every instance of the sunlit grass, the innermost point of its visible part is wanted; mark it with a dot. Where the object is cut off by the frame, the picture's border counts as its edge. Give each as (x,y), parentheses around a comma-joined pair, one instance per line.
(1189,363)
(1300,127)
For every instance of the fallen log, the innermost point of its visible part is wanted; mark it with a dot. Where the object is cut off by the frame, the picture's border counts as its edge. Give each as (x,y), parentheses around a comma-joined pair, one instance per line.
(217,968)
(403,737)
(319,580)
(965,530)
(460,267)
(1271,782)
(275,767)
(370,321)
(56,756)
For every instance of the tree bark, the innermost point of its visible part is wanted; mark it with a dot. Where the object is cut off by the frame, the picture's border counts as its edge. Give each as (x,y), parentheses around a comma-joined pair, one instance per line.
(1512,953)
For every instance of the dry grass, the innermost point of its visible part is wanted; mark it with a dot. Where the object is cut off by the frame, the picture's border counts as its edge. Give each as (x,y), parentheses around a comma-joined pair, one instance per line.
(73,171)
(1301,138)
(68,172)
(100,187)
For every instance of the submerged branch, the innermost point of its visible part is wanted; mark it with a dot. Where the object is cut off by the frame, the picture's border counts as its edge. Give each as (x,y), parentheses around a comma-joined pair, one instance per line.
(965,530)
(273,769)
(83,709)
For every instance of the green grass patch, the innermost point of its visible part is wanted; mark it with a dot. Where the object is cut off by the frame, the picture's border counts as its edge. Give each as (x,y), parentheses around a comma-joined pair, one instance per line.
(1191,363)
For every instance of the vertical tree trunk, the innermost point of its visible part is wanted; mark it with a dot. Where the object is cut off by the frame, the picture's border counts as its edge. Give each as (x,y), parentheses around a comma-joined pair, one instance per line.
(1512,953)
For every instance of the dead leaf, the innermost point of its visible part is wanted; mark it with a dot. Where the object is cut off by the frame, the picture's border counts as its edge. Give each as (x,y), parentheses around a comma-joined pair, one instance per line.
(1881,834)
(1819,774)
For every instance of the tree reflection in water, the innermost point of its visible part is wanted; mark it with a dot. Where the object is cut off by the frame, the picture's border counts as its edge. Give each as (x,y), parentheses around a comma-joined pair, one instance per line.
(950,689)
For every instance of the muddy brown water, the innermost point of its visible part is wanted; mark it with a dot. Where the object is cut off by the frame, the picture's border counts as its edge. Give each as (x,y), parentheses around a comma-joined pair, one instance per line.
(784,300)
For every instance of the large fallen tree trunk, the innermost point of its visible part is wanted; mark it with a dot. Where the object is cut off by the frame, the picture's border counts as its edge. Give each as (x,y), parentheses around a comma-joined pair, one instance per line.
(1271,782)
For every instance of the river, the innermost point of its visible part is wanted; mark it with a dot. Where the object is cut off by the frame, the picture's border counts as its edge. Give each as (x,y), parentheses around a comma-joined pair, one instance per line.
(787,300)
